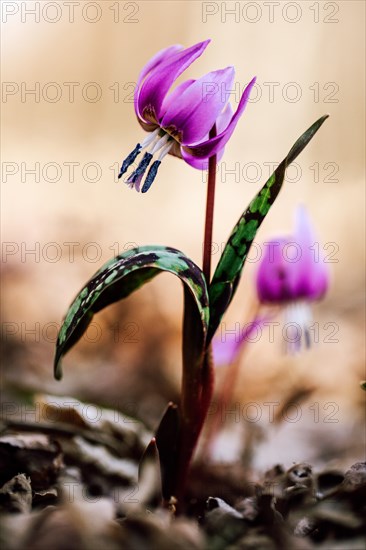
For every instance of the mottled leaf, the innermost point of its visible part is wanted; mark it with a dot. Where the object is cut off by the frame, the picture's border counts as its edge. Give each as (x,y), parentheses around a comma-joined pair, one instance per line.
(229,268)
(121,276)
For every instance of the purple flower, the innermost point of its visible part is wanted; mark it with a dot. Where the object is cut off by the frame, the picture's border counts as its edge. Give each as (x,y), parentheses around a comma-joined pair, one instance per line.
(179,121)
(292,274)
(290,269)
(227,346)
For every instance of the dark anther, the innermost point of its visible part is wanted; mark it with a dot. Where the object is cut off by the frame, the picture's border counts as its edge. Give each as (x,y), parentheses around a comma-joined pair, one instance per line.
(151,176)
(129,160)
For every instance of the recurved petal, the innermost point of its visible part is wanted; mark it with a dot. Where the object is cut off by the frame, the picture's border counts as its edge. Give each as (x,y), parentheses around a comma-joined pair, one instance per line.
(161,56)
(158,81)
(293,268)
(209,147)
(200,164)
(313,278)
(155,61)
(221,123)
(198,107)
(274,280)
(175,95)
(224,118)
(226,350)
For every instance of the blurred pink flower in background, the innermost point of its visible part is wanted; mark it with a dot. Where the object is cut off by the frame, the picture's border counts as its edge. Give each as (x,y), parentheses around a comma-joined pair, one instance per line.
(291,275)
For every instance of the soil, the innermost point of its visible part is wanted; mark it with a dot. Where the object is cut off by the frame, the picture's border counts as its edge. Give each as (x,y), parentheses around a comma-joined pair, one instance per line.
(72,483)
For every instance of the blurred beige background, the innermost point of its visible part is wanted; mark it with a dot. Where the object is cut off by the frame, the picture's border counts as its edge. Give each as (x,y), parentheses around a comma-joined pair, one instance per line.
(309,59)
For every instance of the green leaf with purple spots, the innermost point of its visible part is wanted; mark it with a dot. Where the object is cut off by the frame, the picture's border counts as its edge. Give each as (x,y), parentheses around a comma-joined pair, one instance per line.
(124,274)
(231,263)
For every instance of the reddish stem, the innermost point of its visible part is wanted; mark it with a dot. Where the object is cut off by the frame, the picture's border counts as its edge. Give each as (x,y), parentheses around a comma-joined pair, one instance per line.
(210,204)
(207,381)
(196,399)
(198,380)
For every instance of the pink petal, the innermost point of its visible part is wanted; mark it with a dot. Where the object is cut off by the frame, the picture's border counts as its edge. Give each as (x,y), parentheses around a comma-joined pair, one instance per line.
(313,278)
(211,146)
(200,164)
(273,284)
(227,347)
(155,61)
(221,123)
(290,269)
(224,118)
(158,81)
(225,352)
(199,106)
(175,95)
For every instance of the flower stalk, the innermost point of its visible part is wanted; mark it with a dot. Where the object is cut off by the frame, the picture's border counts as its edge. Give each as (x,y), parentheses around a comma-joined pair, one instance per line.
(210,205)
(198,383)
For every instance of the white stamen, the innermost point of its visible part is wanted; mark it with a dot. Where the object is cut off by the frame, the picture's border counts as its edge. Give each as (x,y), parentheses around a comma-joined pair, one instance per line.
(298,320)
(159,144)
(150,138)
(165,150)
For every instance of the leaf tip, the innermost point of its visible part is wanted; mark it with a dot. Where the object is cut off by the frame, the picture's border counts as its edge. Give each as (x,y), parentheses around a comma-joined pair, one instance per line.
(323,118)
(57,369)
